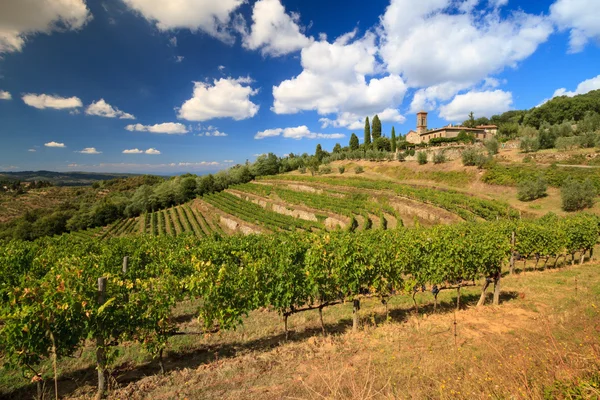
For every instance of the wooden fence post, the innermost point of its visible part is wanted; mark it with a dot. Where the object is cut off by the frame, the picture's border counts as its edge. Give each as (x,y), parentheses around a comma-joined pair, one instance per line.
(100,350)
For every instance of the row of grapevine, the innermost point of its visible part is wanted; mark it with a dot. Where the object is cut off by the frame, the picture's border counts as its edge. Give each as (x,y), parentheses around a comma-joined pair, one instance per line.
(255,214)
(48,292)
(346,204)
(467,207)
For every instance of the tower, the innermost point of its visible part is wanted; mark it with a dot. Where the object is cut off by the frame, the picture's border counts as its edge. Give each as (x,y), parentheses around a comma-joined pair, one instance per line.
(421,122)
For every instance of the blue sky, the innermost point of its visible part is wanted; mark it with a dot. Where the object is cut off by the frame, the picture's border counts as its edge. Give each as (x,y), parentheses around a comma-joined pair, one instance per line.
(197,85)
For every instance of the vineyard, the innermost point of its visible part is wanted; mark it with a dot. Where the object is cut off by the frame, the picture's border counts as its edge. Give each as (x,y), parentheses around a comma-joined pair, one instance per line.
(57,293)
(306,204)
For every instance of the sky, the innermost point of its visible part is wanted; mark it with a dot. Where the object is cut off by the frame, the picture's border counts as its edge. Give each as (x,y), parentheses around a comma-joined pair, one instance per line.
(153,86)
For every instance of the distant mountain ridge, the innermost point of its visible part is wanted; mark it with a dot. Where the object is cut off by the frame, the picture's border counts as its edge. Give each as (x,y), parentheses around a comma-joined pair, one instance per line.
(63,178)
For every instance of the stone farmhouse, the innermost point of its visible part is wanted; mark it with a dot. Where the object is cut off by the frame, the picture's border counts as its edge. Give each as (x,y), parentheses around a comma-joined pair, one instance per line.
(422,135)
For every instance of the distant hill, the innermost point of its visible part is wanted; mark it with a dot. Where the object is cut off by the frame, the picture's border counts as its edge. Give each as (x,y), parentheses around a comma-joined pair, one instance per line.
(63,178)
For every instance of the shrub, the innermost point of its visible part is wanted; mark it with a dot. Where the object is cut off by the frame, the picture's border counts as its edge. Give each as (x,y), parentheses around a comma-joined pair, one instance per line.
(342,169)
(588,140)
(473,157)
(302,170)
(529,144)
(422,158)
(492,146)
(577,195)
(359,170)
(439,157)
(411,152)
(567,143)
(532,189)
(401,156)
(325,169)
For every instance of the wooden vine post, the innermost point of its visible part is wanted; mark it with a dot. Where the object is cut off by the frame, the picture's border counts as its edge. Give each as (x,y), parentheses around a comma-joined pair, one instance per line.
(100,348)
(125,264)
(512,253)
(355,309)
(497,288)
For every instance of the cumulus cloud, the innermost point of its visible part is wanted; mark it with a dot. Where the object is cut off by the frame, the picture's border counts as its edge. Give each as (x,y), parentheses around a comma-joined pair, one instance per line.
(354,121)
(20,19)
(133,151)
(429,44)
(54,144)
(480,103)
(42,101)
(581,18)
(5,95)
(89,150)
(299,132)
(337,79)
(225,98)
(170,128)
(150,151)
(583,88)
(273,31)
(102,109)
(209,16)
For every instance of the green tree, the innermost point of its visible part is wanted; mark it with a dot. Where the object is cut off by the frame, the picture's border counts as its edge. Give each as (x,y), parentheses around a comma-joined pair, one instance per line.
(393,141)
(470,123)
(354,142)
(337,148)
(532,189)
(376,131)
(422,157)
(577,195)
(319,153)
(367,141)
(382,144)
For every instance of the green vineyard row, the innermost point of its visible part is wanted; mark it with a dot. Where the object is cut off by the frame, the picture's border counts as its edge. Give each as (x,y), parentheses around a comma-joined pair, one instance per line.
(49,293)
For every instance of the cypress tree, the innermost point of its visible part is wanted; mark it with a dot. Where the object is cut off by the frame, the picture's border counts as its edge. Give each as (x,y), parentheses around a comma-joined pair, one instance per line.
(319,153)
(367,133)
(393,140)
(376,128)
(354,142)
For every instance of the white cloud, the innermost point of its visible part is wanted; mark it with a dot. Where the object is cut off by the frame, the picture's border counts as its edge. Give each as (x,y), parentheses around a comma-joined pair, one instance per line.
(209,16)
(335,80)
(482,104)
(152,151)
(299,132)
(173,41)
(583,88)
(31,150)
(228,161)
(89,150)
(225,98)
(581,17)
(5,95)
(133,151)
(221,68)
(170,128)
(20,19)
(179,59)
(102,109)
(427,98)
(54,144)
(431,44)
(43,101)
(354,121)
(273,31)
